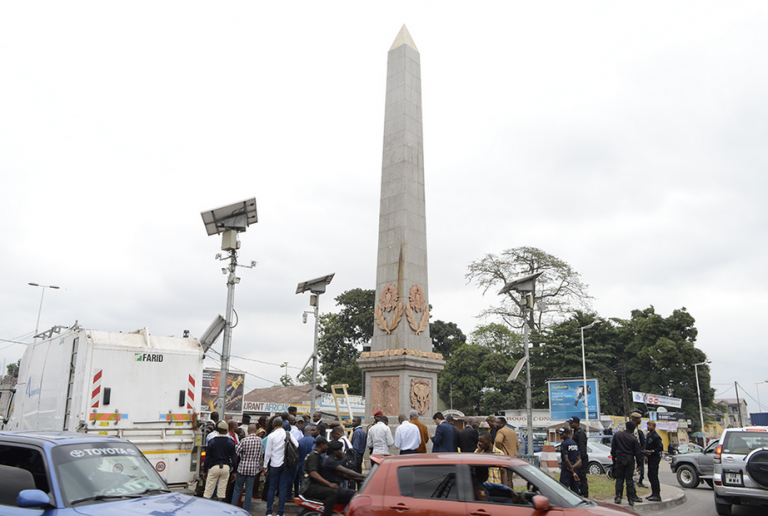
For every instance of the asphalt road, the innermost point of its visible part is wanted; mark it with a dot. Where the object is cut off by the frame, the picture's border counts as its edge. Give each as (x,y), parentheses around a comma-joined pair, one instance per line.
(701,501)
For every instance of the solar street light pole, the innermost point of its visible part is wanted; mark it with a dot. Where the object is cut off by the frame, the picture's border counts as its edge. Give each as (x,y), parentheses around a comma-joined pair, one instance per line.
(227,343)
(40,310)
(698,389)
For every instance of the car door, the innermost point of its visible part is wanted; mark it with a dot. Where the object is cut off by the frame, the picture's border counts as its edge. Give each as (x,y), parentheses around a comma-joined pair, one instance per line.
(424,490)
(707,459)
(21,467)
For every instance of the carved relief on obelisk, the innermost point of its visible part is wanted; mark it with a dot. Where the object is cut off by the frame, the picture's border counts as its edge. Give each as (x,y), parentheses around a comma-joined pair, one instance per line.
(385,395)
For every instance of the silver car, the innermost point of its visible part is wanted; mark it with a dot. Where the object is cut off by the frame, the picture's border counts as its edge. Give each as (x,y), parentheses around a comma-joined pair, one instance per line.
(741,468)
(600,460)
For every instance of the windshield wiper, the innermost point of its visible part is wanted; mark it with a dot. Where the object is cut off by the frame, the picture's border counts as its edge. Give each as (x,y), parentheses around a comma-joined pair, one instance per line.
(154,489)
(98,498)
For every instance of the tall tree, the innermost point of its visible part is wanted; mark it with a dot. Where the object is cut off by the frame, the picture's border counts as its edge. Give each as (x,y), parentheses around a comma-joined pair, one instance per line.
(13,368)
(305,377)
(460,385)
(558,292)
(446,337)
(341,337)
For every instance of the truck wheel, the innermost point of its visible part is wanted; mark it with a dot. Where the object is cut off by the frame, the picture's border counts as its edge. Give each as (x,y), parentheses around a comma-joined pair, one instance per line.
(687,477)
(722,506)
(595,468)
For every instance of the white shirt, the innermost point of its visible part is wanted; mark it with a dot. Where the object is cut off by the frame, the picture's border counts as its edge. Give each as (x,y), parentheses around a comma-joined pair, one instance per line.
(407,436)
(295,432)
(380,438)
(274,455)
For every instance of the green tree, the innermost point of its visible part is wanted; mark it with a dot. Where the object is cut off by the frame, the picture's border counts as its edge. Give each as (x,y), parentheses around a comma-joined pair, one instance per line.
(558,292)
(460,380)
(305,378)
(286,380)
(446,337)
(341,337)
(13,369)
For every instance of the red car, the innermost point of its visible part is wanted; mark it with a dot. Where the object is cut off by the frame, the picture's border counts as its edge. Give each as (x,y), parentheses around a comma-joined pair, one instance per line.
(467,484)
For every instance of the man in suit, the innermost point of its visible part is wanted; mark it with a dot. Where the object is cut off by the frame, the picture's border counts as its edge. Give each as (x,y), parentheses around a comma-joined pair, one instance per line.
(456,432)
(469,437)
(442,440)
(506,438)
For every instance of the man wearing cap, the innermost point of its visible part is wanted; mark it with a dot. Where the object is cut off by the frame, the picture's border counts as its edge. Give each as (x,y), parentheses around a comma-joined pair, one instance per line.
(624,451)
(219,456)
(653,449)
(376,418)
(380,437)
(580,438)
(570,461)
(637,420)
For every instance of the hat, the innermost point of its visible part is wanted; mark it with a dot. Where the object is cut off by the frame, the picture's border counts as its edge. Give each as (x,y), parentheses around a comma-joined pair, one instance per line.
(635,414)
(574,419)
(320,440)
(561,431)
(222,425)
(378,413)
(335,445)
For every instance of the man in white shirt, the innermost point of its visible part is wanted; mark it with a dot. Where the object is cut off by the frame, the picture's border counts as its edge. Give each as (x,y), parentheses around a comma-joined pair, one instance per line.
(407,436)
(274,457)
(380,437)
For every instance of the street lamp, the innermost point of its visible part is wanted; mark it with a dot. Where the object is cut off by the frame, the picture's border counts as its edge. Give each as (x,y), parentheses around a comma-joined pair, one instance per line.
(584,370)
(526,287)
(757,385)
(316,287)
(698,389)
(39,311)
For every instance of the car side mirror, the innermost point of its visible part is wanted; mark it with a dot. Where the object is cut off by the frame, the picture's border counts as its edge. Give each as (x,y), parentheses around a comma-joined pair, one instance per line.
(33,498)
(541,503)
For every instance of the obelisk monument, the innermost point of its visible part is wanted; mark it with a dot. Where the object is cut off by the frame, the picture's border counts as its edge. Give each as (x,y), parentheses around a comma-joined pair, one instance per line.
(401,369)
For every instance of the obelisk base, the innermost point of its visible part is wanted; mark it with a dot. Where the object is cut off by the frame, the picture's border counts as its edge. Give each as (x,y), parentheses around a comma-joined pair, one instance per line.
(398,383)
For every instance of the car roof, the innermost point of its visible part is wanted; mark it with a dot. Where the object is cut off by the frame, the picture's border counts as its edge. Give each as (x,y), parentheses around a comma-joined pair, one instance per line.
(452,458)
(51,438)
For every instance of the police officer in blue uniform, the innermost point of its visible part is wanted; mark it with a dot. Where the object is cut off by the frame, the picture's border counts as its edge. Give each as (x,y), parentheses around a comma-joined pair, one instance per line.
(570,461)
(653,449)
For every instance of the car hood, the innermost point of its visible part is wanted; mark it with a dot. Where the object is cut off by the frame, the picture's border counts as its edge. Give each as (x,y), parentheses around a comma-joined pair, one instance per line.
(172,504)
(608,509)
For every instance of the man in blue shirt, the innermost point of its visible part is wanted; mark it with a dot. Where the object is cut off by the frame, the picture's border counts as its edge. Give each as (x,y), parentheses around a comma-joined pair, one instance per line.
(442,440)
(306,445)
(653,449)
(359,439)
(570,460)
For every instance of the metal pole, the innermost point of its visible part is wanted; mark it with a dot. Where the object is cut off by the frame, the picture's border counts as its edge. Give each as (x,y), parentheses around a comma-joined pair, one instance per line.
(738,402)
(39,311)
(226,346)
(757,388)
(584,372)
(698,389)
(312,402)
(528,402)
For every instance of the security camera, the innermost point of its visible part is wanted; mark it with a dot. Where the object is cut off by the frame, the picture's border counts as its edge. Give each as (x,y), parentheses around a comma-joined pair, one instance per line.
(304,317)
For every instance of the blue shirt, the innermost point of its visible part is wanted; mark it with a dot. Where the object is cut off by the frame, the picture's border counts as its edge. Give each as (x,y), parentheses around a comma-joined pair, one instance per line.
(359,440)
(569,448)
(306,445)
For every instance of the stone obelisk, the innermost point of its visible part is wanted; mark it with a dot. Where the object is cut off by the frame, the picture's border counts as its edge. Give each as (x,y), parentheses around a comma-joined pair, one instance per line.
(401,369)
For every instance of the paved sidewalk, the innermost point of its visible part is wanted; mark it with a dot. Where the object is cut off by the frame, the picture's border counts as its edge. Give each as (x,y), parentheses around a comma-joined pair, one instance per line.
(671,496)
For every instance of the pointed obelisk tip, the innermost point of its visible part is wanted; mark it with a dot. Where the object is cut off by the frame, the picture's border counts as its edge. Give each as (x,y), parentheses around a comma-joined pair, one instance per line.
(404,38)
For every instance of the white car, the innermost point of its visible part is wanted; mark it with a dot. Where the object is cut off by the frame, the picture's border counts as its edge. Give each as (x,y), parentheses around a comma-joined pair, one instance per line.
(600,460)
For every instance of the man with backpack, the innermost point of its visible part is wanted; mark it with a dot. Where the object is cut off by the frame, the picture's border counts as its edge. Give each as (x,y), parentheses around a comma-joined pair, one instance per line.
(281,456)
(348,452)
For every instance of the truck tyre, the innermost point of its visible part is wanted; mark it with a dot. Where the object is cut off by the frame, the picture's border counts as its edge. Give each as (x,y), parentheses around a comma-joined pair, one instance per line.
(595,468)
(687,477)
(757,467)
(722,506)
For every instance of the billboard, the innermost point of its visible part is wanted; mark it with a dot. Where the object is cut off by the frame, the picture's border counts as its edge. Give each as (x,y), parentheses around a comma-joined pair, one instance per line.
(234,395)
(656,399)
(567,399)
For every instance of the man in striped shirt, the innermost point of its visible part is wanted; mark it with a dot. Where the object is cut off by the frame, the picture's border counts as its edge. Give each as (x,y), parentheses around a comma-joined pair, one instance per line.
(485,445)
(251,453)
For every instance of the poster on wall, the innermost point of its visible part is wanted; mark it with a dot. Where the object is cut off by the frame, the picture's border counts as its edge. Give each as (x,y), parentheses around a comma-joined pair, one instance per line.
(234,393)
(567,399)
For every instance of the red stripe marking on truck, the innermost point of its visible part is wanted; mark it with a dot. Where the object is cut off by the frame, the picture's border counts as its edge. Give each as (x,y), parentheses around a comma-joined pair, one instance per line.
(95,405)
(191,395)
(97,377)
(189,406)
(191,380)
(96,392)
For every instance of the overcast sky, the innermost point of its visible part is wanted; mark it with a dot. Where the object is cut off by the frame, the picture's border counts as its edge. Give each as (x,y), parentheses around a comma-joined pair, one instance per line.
(627,140)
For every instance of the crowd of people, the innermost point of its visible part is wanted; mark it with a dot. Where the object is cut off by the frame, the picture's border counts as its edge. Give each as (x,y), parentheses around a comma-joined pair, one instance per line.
(239,454)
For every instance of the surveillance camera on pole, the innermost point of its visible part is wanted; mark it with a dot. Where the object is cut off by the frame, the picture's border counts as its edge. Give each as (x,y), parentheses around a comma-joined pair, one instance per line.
(316,287)
(228,221)
(525,286)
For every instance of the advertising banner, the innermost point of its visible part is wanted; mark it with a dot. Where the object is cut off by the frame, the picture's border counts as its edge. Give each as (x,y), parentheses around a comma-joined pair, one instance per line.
(666,416)
(656,399)
(567,399)
(233,402)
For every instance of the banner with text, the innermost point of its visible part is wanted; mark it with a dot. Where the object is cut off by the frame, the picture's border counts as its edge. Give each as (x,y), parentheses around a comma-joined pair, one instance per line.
(656,399)
(567,399)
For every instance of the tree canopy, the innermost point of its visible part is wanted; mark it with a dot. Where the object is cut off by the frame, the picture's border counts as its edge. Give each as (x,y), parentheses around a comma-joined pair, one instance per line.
(446,337)
(558,292)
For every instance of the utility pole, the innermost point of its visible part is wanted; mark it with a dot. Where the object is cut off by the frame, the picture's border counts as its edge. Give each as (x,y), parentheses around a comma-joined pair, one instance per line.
(738,402)
(624,386)
(227,344)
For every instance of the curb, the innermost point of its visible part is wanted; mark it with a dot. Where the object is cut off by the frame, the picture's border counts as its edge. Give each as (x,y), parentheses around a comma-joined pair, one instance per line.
(659,506)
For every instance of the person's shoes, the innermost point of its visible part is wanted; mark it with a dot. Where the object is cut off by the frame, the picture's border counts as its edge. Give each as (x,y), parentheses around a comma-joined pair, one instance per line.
(617,500)
(653,498)
(631,502)
(640,484)
(637,499)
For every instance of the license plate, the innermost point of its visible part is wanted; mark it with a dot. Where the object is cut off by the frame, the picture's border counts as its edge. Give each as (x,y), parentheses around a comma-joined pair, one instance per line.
(733,479)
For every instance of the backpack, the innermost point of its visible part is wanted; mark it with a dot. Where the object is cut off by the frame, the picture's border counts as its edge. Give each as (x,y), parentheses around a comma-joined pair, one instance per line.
(348,461)
(291,459)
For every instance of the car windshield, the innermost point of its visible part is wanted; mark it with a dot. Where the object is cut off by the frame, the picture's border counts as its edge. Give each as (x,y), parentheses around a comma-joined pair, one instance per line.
(103,471)
(542,483)
(743,442)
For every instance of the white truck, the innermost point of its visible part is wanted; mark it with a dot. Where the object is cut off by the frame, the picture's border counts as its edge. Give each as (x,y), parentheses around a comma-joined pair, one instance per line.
(135,386)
